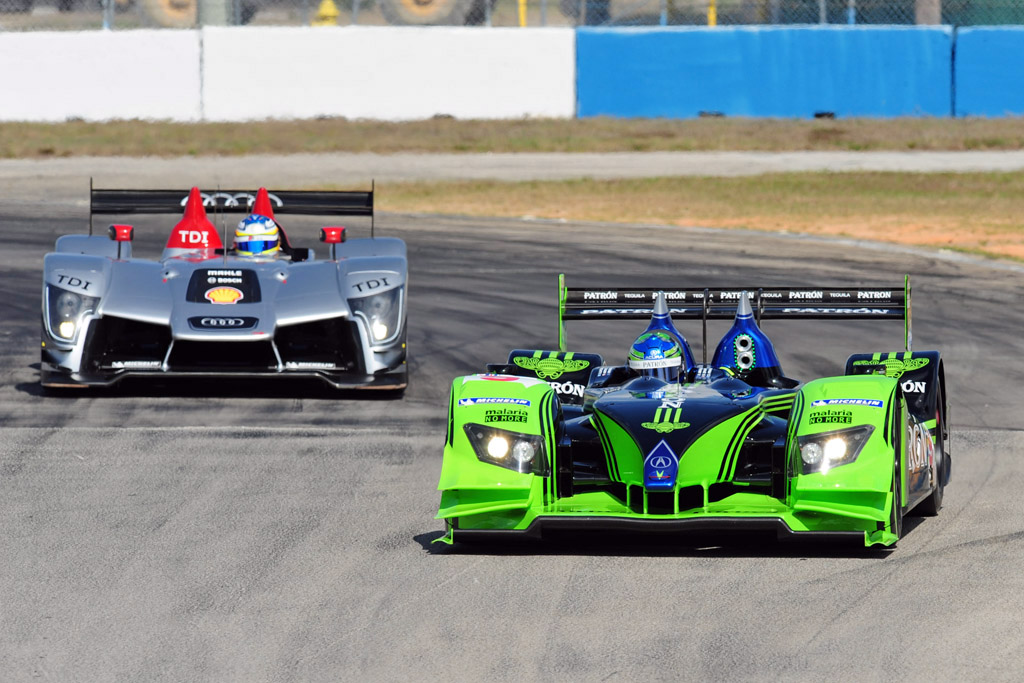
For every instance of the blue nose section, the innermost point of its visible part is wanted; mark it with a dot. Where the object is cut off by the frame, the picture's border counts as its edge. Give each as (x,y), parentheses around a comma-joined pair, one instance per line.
(661,468)
(745,347)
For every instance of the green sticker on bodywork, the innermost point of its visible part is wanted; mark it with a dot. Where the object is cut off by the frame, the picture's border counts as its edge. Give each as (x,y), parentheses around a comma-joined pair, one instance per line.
(894,367)
(666,420)
(550,368)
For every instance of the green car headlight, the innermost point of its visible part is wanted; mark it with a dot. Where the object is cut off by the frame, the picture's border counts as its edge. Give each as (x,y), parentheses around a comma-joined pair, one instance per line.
(64,312)
(382,314)
(508,449)
(821,452)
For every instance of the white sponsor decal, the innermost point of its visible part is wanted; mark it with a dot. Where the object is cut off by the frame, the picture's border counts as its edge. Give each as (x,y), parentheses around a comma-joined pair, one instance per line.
(488,400)
(656,363)
(814,294)
(846,311)
(194,237)
(869,402)
(567,388)
(910,387)
(141,364)
(309,365)
(600,296)
(875,295)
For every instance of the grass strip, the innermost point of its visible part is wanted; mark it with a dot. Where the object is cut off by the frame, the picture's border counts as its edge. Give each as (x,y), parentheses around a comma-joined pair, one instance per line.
(445,134)
(979,213)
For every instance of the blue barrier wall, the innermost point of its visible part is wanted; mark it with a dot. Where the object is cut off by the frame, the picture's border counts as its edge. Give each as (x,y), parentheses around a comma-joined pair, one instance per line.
(989,68)
(781,72)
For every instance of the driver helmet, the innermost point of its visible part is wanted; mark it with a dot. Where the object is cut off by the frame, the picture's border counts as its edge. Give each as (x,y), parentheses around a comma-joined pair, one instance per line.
(657,354)
(257,235)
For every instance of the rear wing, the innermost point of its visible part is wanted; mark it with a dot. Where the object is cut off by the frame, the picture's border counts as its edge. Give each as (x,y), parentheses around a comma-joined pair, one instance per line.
(302,202)
(769,303)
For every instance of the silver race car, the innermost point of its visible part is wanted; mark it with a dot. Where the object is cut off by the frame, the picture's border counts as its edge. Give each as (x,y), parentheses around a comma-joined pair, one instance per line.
(204,309)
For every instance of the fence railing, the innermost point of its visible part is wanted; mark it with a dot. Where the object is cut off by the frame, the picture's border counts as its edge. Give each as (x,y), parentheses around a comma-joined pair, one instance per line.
(28,15)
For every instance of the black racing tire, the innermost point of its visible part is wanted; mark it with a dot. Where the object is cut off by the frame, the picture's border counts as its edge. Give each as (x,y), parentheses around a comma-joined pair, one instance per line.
(931,505)
(429,12)
(171,13)
(896,514)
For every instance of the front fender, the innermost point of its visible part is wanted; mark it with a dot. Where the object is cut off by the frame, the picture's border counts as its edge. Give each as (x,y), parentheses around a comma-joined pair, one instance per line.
(470,485)
(860,488)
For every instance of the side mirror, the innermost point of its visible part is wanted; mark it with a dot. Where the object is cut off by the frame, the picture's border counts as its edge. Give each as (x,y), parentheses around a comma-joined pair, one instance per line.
(120,234)
(333,236)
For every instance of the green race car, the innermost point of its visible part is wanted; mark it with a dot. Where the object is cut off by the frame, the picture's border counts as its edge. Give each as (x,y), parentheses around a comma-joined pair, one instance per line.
(556,441)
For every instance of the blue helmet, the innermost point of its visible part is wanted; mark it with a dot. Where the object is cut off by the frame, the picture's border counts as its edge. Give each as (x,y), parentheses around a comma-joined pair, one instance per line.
(657,353)
(257,235)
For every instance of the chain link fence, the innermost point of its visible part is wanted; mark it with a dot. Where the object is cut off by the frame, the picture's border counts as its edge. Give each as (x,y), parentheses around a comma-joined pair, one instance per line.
(29,15)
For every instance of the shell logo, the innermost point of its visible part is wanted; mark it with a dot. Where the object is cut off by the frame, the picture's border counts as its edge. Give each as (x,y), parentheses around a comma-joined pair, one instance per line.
(223,295)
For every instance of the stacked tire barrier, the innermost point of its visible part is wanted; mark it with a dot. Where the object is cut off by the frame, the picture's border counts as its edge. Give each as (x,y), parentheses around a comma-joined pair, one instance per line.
(254,73)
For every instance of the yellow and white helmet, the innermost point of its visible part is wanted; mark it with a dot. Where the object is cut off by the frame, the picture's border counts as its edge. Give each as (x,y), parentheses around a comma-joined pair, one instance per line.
(257,235)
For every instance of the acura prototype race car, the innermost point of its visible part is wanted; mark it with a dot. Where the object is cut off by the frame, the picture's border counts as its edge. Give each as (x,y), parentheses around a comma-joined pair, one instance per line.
(558,441)
(207,307)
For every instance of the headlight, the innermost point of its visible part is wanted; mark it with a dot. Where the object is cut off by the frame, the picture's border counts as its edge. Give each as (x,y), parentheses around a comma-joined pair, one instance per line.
(381,312)
(65,310)
(512,450)
(821,452)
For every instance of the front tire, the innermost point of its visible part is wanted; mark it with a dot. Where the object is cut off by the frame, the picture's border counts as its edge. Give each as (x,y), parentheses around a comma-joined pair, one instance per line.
(896,515)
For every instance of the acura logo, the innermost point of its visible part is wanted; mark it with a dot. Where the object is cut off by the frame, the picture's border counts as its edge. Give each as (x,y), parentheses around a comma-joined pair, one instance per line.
(222,323)
(661,462)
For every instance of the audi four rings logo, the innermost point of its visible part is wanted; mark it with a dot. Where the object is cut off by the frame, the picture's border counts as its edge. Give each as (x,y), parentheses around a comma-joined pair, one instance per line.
(227,200)
(210,322)
(222,322)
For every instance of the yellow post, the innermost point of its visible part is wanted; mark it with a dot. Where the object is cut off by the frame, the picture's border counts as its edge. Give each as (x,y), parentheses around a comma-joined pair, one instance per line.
(522,13)
(712,13)
(326,14)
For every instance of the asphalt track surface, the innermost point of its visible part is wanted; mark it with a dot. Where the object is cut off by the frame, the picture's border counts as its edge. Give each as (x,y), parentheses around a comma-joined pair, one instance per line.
(226,531)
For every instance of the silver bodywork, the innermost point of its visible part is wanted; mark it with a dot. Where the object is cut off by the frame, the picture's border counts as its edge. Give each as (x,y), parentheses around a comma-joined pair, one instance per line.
(341,319)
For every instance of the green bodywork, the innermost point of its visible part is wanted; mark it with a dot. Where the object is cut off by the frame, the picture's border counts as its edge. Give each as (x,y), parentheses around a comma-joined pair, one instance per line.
(854,497)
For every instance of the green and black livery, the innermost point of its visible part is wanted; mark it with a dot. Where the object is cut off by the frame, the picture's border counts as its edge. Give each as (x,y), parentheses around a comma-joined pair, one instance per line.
(728,447)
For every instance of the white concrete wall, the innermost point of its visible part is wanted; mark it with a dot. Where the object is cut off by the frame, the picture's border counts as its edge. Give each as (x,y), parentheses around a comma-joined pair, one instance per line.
(99,75)
(250,73)
(388,73)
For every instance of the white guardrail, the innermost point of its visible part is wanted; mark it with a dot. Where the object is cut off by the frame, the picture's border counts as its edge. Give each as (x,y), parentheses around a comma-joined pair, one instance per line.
(254,73)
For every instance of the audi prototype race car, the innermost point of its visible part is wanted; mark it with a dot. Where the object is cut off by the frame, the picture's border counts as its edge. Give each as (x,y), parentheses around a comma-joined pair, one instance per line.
(252,307)
(559,441)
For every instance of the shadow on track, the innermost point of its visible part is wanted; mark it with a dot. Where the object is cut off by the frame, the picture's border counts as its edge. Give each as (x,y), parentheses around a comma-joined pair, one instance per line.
(730,545)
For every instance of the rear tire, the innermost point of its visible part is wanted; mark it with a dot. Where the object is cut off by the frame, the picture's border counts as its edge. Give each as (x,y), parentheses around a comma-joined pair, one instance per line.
(931,505)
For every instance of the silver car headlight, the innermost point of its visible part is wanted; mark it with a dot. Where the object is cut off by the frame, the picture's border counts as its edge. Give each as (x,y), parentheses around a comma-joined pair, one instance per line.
(508,449)
(64,312)
(821,452)
(382,314)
